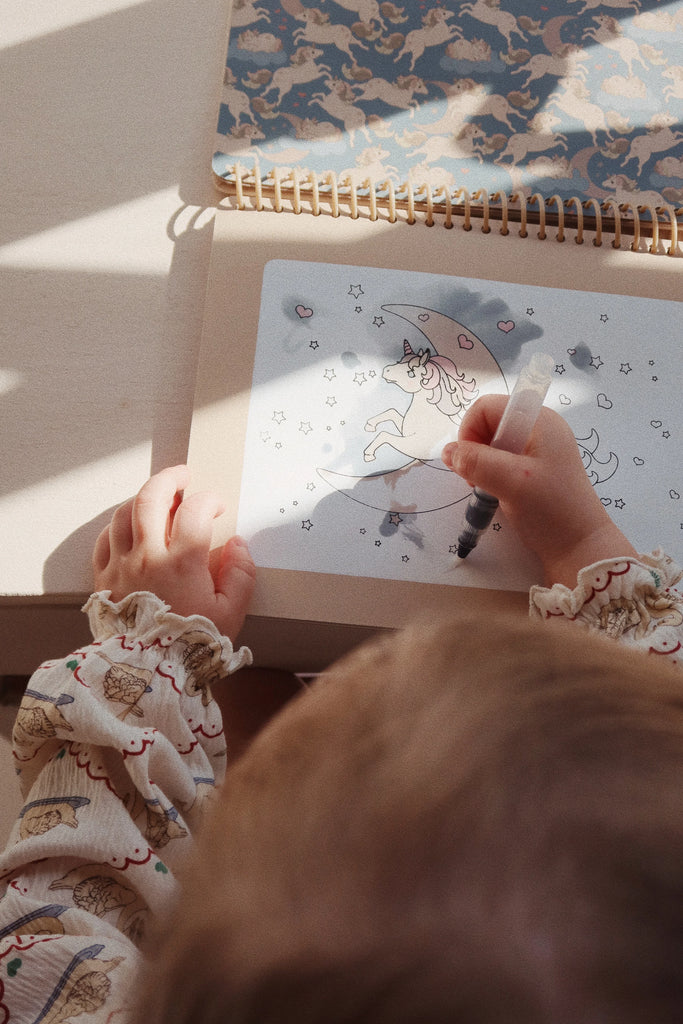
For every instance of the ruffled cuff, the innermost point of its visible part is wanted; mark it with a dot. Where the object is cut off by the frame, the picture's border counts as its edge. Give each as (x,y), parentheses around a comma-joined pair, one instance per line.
(617,596)
(147,618)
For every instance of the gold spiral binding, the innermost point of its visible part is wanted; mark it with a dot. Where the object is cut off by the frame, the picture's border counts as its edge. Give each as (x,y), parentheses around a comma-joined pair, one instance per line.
(296,202)
(578,208)
(332,181)
(501,197)
(348,189)
(654,246)
(299,190)
(393,216)
(448,221)
(278,190)
(372,193)
(538,199)
(515,198)
(482,196)
(635,220)
(411,201)
(239,193)
(466,225)
(258,187)
(557,202)
(429,219)
(673,227)
(315,195)
(617,211)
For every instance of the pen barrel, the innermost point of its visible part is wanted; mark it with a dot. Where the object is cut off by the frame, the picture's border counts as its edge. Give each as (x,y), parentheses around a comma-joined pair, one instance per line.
(512,435)
(524,405)
(518,421)
(481,510)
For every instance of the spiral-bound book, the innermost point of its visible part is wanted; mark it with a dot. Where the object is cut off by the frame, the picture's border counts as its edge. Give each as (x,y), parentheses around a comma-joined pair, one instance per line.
(566,115)
(304,419)
(325,452)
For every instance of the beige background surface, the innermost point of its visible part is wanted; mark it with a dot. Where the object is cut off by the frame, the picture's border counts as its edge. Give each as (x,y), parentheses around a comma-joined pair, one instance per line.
(107,121)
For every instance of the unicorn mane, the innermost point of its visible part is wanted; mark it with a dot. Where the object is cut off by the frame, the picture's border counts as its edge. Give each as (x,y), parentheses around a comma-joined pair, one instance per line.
(451,392)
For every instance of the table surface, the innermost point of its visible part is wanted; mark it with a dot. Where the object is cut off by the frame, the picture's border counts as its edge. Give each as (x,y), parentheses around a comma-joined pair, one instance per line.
(107,125)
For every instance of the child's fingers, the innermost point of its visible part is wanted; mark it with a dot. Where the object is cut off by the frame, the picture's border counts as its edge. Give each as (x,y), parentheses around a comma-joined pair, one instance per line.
(193,523)
(235,582)
(495,471)
(121,529)
(235,558)
(155,507)
(102,551)
(481,419)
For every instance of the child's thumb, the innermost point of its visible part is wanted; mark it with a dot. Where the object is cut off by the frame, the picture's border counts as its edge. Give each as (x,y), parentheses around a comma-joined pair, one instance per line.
(235,580)
(481,466)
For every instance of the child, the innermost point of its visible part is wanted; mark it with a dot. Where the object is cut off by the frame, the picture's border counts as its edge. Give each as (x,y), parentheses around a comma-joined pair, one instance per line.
(481,825)
(468,821)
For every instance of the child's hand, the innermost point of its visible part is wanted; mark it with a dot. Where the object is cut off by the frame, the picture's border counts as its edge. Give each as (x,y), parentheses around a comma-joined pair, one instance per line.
(160,541)
(545,493)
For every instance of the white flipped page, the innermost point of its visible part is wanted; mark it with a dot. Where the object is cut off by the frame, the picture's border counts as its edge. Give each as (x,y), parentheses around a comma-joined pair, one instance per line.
(361,375)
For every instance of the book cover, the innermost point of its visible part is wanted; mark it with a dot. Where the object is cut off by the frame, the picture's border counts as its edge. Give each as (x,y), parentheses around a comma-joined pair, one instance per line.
(574,101)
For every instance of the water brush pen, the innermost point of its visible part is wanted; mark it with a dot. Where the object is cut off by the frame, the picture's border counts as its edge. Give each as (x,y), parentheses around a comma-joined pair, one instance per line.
(512,435)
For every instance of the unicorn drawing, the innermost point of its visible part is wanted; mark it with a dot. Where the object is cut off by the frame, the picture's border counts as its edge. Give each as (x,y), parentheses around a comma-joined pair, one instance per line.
(440,395)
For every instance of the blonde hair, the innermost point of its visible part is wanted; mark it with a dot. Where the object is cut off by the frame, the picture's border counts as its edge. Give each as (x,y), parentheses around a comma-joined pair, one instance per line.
(469,822)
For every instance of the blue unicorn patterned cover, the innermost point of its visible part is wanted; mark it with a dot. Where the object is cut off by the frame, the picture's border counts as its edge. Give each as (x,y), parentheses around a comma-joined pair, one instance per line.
(572,98)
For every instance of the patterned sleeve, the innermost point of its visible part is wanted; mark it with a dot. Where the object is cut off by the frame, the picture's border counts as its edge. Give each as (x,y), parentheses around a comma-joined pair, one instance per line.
(633,600)
(118,748)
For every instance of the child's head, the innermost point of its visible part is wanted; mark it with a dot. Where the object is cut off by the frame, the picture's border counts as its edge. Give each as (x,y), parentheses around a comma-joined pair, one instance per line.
(471,821)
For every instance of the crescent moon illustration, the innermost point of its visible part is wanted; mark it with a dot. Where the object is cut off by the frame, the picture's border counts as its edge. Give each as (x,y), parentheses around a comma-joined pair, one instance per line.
(552,39)
(418,485)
